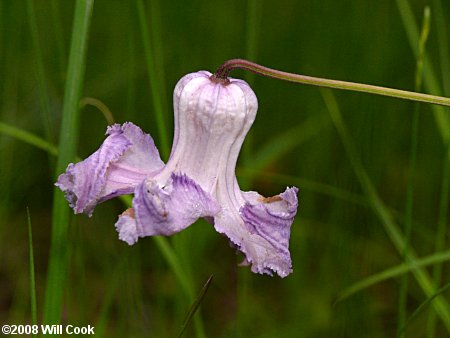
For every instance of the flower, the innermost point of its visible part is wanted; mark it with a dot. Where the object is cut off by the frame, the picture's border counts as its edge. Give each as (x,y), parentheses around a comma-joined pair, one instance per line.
(212,117)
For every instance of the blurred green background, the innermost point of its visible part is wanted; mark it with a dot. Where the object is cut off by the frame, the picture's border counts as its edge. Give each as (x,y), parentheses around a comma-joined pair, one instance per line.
(339,236)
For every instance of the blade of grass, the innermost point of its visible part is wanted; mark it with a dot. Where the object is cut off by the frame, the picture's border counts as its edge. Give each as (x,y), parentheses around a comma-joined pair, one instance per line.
(440,304)
(28,137)
(131,73)
(40,72)
(169,254)
(2,30)
(10,65)
(430,81)
(442,36)
(444,55)
(244,280)
(32,275)
(393,272)
(403,292)
(156,44)
(111,291)
(252,26)
(278,146)
(422,306)
(154,83)
(252,22)
(303,183)
(324,189)
(58,260)
(59,34)
(441,230)
(195,305)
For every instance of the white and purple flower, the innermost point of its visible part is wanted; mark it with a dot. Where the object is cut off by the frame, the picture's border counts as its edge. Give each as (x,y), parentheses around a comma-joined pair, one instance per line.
(212,118)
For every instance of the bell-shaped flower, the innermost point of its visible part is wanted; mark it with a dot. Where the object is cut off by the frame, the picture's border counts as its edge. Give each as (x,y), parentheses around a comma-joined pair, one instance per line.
(212,118)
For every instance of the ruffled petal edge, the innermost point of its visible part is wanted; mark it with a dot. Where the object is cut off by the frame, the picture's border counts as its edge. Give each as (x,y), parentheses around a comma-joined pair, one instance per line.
(165,210)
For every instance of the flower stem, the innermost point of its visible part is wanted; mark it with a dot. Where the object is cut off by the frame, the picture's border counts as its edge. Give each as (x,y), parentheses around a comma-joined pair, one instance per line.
(224,70)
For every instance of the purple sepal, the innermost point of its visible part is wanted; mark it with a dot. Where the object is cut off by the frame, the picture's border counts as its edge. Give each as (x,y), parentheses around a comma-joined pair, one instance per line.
(169,209)
(126,158)
(263,231)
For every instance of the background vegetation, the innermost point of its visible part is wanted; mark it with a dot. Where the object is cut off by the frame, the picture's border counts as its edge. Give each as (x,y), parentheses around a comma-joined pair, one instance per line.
(373,172)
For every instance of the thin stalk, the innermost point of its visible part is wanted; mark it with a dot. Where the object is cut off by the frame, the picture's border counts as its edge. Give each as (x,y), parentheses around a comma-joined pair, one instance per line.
(44,99)
(424,280)
(59,33)
(280,145)
(443,46)
(103,108)
(252,24)
(430,80)
(195,305)
(155,89)
(131,74)
(9,73)
(32,275)
(223,71)
(393,272)
(441,231)
(403,292)
(58,260)
(244,281)
(28,137)
(444,54)
(423,305)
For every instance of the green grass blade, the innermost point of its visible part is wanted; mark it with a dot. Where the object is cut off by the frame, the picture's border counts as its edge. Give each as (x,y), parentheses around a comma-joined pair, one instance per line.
(59,34)
(440,304)
(252,27)
(32,275)
(155,83)
(28,137)
(58,261)
(131,73)
(119,272)
(278,146)
(444,51)
(319,188)
(393,272)
(171,258)
(244,281)
(444,55)
(175,264)
(430,80)
(195,305)
(403,292)
(40,72)
(422,306)
(306,184)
